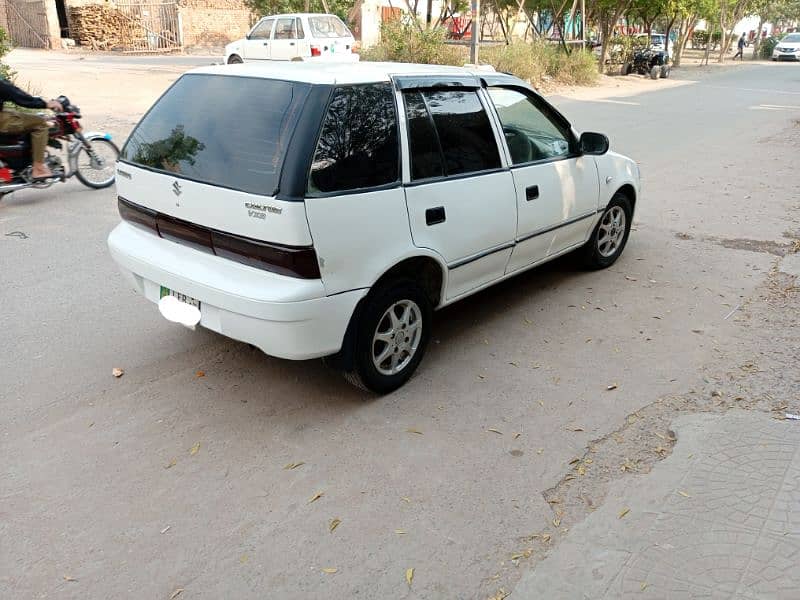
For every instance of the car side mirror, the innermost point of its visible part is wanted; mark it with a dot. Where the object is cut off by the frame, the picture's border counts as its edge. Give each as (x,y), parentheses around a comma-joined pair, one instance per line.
(593,143)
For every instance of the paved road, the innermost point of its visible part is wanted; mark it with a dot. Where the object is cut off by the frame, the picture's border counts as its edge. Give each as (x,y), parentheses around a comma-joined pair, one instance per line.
(99,481)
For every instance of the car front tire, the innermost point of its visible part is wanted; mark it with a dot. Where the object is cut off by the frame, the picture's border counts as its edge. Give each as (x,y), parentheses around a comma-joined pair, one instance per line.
(391,336)
(610,234)
(235,59)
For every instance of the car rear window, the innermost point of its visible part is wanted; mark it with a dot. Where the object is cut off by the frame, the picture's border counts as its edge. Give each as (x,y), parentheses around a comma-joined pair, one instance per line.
(222,130)
(327,27)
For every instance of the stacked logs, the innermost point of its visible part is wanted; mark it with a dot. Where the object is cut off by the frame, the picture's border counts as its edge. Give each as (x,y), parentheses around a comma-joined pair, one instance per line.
(101,27)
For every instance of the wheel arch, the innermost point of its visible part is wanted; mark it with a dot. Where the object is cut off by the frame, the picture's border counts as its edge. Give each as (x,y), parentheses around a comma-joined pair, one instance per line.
(428,271)
(629,192)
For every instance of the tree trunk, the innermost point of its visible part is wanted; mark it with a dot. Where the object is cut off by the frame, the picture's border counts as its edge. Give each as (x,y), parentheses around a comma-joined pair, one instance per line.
(757,39)
(666,36)
(604,47)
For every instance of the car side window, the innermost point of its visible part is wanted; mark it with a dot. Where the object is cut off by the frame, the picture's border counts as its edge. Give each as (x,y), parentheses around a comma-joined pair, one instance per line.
(531,134)
(262,30)
(300,33)
(285,29)
(358,145)
(457,128)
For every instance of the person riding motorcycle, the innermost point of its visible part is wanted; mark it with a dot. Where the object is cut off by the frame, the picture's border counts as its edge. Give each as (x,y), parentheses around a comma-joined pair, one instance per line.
(15,123)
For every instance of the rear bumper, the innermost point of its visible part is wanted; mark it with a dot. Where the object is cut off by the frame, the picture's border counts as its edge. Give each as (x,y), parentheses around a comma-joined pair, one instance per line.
(283,316)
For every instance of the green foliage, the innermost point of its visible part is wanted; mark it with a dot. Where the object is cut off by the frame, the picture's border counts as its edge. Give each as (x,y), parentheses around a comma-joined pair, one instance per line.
(340,8)
(5,47)
(405,42)
(766,47)
(169,152)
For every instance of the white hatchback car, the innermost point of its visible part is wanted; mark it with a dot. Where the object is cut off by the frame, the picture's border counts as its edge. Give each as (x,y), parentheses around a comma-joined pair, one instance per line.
(294,37)
(332,215)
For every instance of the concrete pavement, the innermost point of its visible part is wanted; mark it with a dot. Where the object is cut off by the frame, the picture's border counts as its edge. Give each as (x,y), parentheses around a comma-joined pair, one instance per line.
(719,518)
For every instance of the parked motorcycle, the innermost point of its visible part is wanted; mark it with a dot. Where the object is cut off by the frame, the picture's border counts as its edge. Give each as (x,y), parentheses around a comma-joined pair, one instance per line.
(91,157)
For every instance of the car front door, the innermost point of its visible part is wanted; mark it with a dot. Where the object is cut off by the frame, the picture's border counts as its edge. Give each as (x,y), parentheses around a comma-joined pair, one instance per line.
(461,199)
(284,39)
(557,188)
(257,44)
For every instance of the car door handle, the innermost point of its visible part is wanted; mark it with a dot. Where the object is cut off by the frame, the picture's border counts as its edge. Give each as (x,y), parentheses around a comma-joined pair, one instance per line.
(266,43)
(531,192)
(434,216)
(291,43)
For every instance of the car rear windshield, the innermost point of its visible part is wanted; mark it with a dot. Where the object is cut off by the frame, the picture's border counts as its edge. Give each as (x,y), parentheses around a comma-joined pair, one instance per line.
(327,27)
(222,130)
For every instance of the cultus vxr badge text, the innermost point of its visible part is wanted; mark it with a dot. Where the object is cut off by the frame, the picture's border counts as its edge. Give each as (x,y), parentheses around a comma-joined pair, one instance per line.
(259,211)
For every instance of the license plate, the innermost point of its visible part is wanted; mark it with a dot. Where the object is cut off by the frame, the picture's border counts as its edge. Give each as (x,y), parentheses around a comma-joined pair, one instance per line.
(182,297)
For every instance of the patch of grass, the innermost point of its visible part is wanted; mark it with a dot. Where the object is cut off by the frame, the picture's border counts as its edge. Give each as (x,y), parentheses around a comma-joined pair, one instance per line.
(543,64)
(401,42)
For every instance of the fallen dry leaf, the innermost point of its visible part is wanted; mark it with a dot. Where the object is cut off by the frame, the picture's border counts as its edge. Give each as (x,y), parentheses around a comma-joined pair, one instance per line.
(171,463)
(68,578)
(513,364)
(546,538)
(243,558)
(684,494)
(330,570)
(292,466)
(575,461)
(176,593)
(630,278)
(581,470)
(316,497)
(493,430)
(399,532)
(195,449)
(405,499)
(166,529)
(200,374)
(117,372)
(409,576)
(481,376)
(644,585)
(417,431)
(575,429)
(613,386)
(557,522)
(500,595)
(516,435)
(624,512)
(334,524)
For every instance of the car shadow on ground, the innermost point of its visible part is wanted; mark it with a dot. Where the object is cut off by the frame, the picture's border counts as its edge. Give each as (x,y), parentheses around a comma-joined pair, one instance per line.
(304,384)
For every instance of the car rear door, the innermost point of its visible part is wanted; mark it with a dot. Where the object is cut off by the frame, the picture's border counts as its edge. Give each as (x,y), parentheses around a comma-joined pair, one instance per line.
(257,44)
(557,189)
(460,197)
(284,39)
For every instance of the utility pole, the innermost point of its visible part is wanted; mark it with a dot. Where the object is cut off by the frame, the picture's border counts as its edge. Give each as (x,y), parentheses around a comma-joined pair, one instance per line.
(476,32)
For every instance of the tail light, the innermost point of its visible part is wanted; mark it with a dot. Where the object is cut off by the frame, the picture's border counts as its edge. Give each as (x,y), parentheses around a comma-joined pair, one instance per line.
(315,51)
(6,175)
(292,261)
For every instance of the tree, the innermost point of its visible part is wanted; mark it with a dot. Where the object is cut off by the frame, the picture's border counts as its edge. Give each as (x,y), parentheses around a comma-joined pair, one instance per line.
(730,13)
(606,13)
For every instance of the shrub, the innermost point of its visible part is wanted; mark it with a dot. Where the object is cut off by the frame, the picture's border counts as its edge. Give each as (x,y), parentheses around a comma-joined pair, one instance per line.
(540,63)
(5,48)
(405,42)
(767,46)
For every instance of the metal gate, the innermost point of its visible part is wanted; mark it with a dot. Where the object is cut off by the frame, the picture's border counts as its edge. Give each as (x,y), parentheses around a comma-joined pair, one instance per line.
(27,23)
(149,26)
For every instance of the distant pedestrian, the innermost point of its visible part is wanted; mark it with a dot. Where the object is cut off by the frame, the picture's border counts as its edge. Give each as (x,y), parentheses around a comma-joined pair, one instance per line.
(742,43)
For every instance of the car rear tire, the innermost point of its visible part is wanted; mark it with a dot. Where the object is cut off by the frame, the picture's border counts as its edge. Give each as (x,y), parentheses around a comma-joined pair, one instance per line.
(626,69)
(610,234)
(665,71)
(654,72)
(235,59)
(391,336)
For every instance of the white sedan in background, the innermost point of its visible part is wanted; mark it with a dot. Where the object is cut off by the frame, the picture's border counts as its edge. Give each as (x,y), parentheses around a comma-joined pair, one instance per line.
(294,37)
(788,48)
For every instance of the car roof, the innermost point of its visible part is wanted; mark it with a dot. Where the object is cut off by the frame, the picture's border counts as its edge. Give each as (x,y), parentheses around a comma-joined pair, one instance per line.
(329,73)
(297,15)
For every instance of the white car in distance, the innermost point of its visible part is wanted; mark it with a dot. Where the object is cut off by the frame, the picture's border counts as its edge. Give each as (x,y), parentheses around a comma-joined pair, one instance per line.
(294,37)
